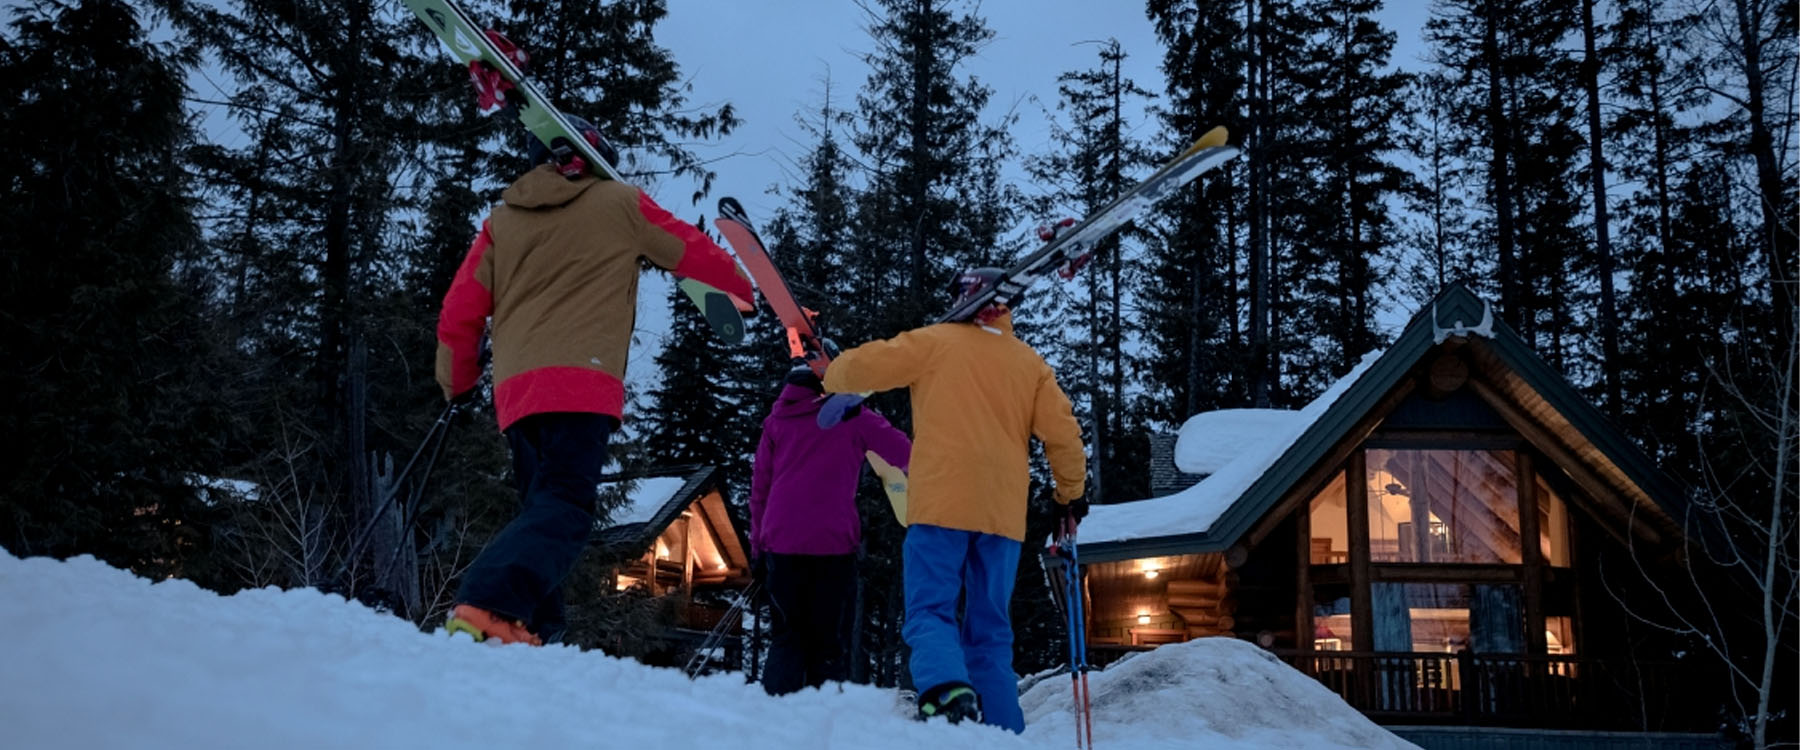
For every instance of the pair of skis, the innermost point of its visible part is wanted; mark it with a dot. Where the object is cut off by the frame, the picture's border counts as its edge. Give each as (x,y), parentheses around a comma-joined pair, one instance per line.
(497,69)
(805,342)
(1069,247)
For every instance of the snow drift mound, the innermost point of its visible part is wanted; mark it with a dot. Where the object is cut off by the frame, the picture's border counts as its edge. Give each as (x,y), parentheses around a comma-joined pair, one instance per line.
(98,658)
(1211,692)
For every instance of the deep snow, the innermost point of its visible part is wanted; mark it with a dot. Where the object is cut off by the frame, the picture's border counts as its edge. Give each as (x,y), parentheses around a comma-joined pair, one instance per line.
(98,658)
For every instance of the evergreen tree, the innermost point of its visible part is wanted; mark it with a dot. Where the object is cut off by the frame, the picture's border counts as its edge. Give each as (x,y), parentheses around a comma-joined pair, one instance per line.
(321,184)
(1346,236)
(1096,161)
(1513,91)
(711,397)
(1190,304)
(601,61)
(920,131)
(1436,237)
(108,395)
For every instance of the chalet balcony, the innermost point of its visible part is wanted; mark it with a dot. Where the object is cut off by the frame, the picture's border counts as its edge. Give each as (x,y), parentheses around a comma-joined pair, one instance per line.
(1549,692)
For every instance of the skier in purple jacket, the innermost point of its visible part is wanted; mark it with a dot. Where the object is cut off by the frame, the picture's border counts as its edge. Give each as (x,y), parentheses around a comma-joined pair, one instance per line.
(804,529)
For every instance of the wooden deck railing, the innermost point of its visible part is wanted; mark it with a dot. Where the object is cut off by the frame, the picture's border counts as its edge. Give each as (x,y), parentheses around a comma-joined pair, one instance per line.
(1518,691)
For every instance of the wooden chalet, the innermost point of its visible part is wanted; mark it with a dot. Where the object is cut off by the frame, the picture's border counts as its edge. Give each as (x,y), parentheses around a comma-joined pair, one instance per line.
(673,535)
(1441,539)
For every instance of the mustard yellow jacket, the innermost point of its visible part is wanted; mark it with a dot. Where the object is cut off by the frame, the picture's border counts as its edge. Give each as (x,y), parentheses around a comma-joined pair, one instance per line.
(978,395)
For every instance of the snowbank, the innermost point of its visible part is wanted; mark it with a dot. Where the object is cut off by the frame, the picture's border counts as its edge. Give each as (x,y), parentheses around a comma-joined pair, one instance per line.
(98,658)
(1216,693)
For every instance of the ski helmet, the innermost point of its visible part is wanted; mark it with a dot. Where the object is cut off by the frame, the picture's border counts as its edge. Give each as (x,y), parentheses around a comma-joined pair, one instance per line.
(974,282)
(565,153)
(802,375)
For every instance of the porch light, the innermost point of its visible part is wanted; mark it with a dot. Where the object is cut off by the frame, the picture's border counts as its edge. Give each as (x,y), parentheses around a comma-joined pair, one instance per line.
(1144,619)
(1151,573)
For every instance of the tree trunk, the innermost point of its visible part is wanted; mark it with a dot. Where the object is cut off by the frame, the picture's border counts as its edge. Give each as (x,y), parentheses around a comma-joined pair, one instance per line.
(1258,209)
(1499,168)
(1609,322)
(1777,241)
(919,131)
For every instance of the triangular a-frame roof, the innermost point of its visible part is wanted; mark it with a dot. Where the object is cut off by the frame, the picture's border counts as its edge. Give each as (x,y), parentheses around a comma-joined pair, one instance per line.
(1530,395)
(657,505)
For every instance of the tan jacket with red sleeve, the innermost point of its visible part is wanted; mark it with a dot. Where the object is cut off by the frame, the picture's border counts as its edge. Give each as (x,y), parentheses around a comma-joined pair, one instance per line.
(978,396)
(556,266)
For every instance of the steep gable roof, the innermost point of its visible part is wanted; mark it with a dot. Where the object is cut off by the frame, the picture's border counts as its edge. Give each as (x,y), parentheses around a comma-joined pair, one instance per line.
(1533,398)
(659,498)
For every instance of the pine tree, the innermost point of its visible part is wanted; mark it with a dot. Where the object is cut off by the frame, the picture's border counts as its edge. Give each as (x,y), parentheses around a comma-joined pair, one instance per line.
(1346,236)
(1439,252)
(1519,110)
(108,391)
(920,131)
(601,61)
(1097,160)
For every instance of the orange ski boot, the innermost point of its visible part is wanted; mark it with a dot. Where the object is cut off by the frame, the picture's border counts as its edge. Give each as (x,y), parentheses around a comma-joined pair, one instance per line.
(484,626)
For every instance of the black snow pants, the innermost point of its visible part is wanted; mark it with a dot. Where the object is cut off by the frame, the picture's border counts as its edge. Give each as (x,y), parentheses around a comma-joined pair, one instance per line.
(811,598)
(558,459)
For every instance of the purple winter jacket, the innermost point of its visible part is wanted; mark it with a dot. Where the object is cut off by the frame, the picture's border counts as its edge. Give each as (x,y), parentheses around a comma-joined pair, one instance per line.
(803,484)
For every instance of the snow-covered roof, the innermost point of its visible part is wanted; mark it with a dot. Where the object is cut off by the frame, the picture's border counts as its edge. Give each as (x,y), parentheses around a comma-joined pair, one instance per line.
(648,496)
(217,489)
(1261,437)
(1210,441)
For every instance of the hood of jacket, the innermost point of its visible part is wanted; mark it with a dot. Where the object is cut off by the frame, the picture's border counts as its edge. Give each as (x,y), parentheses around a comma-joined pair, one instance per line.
(796,401)
(544,187)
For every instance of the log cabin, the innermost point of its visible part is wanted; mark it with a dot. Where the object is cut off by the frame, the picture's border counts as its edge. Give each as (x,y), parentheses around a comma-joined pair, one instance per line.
(1443,538)
(671,535)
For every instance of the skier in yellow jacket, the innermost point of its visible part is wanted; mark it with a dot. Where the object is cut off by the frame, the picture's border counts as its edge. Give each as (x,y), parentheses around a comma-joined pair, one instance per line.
(978,396)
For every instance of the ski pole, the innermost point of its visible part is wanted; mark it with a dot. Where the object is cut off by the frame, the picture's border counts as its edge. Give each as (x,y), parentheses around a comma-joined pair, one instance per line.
(410,512)
(1080,608)
(717,635)
(434,438)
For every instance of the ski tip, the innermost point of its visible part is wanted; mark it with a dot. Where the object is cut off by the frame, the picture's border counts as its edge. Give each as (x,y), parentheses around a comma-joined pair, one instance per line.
(1213,139)
(729,207)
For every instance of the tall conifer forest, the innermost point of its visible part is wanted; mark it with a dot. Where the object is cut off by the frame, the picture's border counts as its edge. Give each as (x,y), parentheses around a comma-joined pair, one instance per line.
(228,227)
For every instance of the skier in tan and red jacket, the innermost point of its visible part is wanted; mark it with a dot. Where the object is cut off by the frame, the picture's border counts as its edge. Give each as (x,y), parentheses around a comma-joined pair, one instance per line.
(556,266)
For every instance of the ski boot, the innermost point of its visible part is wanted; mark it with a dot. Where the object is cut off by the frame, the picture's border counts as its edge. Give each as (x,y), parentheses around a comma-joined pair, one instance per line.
(487,627)
(955,701)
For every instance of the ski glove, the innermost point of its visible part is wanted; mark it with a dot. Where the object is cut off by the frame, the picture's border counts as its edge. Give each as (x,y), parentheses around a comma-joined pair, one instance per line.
(1076,509)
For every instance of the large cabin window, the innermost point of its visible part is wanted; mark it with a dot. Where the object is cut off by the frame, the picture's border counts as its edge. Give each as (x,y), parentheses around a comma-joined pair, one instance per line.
(1330,525)
(1443,506)
(1447,618)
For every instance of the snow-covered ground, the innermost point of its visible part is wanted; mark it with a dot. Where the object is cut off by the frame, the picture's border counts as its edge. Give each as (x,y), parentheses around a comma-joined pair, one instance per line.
(95,657)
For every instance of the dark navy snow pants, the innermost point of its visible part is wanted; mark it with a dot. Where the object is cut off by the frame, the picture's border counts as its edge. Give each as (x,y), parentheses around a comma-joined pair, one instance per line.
(557,462)
(941,564)
(812,597)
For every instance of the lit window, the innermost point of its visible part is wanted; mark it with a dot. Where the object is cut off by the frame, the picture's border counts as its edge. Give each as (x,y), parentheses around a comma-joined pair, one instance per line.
(1443,506)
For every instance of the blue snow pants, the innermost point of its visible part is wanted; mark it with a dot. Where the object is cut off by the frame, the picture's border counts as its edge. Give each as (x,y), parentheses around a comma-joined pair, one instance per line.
(558,458)
(940,564)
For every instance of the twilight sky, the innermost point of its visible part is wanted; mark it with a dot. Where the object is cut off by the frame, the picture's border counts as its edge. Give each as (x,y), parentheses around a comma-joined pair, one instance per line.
(770,59)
